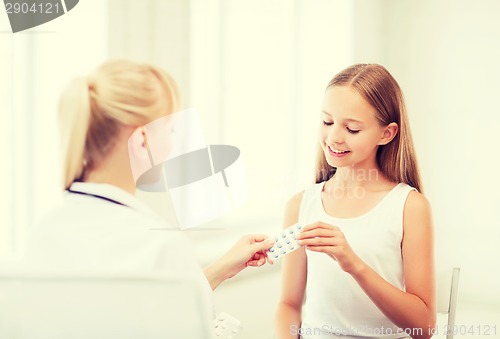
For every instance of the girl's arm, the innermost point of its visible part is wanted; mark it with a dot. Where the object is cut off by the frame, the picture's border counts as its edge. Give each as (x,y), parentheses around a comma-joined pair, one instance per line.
(413,309)
(294,272)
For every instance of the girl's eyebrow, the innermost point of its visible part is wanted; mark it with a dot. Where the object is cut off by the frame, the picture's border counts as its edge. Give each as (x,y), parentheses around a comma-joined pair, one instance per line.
(347,120)
(354,121)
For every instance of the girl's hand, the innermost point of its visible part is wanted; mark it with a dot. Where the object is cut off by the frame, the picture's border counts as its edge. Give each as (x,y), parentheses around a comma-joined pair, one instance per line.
(321,237)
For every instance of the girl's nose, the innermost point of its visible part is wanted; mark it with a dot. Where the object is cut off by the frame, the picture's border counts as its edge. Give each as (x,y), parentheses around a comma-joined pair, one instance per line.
(335,135)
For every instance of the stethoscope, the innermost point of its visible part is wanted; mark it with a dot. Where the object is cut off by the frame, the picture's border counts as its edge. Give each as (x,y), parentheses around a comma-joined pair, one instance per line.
(97,197)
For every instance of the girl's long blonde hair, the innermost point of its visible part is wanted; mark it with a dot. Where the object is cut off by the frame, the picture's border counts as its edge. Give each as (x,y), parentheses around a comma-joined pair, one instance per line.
(92,109)
(397,159)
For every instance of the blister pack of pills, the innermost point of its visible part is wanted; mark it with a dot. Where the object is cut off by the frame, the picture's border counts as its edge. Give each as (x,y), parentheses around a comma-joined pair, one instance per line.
(226,327)
(286,242)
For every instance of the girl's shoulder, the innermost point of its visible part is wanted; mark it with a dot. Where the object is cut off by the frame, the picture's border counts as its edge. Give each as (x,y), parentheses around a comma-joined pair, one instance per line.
(293,204)
(417,220)
(417,212)
(414,199)
(416,202)
(296,199)
(410,196)
(292,209)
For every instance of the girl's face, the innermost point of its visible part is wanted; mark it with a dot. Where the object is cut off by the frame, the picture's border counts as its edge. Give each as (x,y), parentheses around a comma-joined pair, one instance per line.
(350,133)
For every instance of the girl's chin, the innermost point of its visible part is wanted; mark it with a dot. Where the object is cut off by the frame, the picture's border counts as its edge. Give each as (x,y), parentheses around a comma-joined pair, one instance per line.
(338,160)
(337,164)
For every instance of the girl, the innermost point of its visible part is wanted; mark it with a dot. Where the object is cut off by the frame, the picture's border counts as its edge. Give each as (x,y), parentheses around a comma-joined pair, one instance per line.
(366,268)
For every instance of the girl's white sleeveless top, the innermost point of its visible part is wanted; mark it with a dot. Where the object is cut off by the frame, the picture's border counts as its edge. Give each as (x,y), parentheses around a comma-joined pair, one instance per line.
(335,305)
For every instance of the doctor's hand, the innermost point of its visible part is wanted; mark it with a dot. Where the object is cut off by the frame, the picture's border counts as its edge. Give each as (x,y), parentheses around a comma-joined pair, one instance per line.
(250,250)
(329,239)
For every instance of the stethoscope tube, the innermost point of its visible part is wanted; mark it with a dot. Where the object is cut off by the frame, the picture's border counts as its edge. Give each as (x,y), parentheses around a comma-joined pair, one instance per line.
(96,196)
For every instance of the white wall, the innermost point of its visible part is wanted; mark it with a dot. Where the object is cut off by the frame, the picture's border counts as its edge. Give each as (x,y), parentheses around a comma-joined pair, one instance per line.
(445,56)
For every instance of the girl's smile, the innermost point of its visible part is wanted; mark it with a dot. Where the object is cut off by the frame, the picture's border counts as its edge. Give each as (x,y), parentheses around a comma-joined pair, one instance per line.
(335,152)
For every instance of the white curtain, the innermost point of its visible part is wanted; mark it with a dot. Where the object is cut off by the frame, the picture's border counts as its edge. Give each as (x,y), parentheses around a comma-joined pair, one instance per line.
(35,65)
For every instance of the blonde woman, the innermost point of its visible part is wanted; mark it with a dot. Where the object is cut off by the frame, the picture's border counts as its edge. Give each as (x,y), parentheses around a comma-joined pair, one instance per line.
(366,268)
(100,225)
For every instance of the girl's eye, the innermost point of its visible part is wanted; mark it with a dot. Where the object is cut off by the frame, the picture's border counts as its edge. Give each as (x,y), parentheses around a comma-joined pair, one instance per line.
(326,123)
(352,131)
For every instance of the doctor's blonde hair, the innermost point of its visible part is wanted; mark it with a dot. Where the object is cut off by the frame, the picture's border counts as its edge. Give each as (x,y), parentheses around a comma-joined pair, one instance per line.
(396,160)
(92,109)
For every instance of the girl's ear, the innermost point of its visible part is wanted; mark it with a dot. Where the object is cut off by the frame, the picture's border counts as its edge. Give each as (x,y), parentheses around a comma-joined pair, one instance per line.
(390,132)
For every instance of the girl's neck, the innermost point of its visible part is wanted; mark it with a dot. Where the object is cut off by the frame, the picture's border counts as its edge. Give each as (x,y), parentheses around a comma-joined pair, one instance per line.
(355,177)
(363,175)
(349,182)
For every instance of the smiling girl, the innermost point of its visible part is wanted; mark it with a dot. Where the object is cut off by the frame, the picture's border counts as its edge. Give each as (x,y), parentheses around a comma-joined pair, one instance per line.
(366,268)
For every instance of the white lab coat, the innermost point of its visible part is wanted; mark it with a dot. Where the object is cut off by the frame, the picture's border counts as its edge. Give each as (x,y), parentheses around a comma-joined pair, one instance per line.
(89,233)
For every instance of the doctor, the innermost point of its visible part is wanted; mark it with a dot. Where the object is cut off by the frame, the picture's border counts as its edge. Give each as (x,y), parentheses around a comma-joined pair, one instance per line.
(100,225)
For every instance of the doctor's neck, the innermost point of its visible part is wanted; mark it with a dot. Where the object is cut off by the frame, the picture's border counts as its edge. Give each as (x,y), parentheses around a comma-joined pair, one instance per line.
(113,176)
(115,168)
